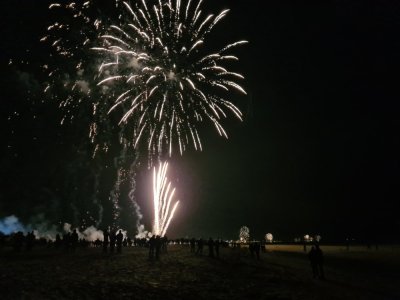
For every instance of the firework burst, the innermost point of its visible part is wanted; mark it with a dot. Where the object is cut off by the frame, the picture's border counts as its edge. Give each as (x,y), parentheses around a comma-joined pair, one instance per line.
(141,76)
(166,86)
(153,74)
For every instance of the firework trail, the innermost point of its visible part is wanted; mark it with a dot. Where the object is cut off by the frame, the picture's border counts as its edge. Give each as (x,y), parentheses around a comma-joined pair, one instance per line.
(71,70)
(125,184)
(163,195)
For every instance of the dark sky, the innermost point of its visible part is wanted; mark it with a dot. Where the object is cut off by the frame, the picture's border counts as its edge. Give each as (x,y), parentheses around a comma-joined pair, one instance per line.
(318,151)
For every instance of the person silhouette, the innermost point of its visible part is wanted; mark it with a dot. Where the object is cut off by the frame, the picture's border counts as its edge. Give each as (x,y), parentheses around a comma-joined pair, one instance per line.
(319,259)
(113,237)
(18,240)
(257,248)
(58,241)
(200,246)
(74,240)
(119,239)
(210,247)
(2,240)
(30,240)
(67,240)
(251,249)
(152,246)
(164,244)
(263,245)
(192,245)
(312,256)
(158,242)
(216,246)
(106,240)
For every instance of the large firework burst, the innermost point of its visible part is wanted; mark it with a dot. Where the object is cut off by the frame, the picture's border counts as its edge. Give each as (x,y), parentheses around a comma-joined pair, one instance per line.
(153,75)
(166,85)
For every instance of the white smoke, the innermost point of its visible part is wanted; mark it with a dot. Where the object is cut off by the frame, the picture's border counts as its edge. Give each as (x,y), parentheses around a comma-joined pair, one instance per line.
(42,229)
(89,234)
(83,85)
(11,225)
(67,228)
(92,233)
(142,233)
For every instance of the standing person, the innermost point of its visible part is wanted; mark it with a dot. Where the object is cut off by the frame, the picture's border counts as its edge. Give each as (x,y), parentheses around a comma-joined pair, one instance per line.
(67,240)
(106,241)
(119,239)
(200,246)
(113,237)
(18,241)
(251,249)
(30,240)
(164,244)
(58,241)
(152,246)
(312,256)
(319,258)
(74,240)
(193,245)
(263,246)
(210,247)
(2,240)
(257,247)
(216,246)
(158,242)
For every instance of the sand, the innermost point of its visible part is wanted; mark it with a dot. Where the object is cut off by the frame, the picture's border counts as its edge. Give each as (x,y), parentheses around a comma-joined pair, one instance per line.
(283,272)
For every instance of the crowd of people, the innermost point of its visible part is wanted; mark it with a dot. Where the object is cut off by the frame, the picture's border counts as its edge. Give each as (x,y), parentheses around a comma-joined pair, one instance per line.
(114,241)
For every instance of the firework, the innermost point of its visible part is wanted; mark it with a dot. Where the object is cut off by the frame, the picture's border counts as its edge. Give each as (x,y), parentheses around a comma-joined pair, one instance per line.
(141,75)
(164,86)
(244,234)
(269,237)
(153,74)
(163,195)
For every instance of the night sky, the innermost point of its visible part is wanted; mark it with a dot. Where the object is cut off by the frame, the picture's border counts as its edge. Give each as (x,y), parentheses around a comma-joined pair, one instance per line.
(318,151)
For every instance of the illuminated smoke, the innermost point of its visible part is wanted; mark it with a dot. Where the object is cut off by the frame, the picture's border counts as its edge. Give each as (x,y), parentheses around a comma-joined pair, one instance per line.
(11,224)
(269,237)
(244,234)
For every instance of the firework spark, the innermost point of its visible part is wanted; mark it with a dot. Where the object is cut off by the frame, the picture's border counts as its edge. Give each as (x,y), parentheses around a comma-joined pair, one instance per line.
(166,86)
(140,75)
(163,195)
(153,75)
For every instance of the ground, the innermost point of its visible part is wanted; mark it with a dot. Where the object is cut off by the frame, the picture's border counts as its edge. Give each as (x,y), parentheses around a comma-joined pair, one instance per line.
(283,272)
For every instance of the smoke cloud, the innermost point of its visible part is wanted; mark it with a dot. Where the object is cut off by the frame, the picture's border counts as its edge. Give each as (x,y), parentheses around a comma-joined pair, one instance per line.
(11,224)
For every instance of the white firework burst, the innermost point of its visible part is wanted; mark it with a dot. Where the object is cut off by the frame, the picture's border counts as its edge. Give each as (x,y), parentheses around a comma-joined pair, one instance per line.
(164,86)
